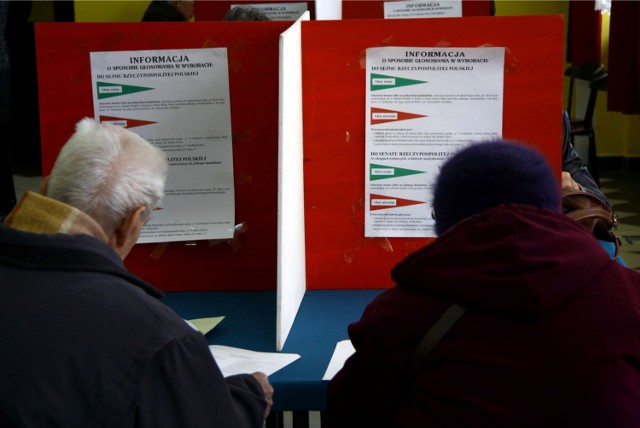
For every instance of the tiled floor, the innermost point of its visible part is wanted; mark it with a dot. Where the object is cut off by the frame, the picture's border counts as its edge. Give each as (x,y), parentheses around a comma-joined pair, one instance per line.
(623,190)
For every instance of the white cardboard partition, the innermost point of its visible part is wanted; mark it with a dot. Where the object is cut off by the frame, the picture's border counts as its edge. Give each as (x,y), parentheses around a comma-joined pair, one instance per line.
(291,242)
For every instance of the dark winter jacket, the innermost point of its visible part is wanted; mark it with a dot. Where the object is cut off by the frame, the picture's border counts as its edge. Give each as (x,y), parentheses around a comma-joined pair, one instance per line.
(572,163)
(162,11)
(551,337)
(83,343)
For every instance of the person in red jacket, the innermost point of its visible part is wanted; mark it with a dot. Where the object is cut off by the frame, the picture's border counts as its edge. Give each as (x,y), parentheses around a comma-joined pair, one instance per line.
(551,332)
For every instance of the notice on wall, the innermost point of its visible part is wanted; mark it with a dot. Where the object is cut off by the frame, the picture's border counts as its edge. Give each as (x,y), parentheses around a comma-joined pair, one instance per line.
(423,9)
(178,100)
(422,106)
(279,11)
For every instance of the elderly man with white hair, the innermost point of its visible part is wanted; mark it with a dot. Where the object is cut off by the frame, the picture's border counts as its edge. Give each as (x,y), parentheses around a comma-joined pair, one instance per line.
(84,342)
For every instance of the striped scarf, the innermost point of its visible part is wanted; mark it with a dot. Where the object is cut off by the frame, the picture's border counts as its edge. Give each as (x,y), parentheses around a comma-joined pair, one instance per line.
(38,214)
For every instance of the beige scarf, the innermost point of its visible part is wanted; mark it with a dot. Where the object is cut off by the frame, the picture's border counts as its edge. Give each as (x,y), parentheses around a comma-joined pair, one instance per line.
(38,214)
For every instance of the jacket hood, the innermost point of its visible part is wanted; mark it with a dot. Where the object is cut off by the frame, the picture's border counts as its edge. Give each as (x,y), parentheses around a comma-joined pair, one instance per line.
(513,259)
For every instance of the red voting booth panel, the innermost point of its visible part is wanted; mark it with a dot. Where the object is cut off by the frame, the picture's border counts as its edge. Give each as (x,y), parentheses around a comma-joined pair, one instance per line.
(206,10)
(370,9)
(249,262)
(338,254)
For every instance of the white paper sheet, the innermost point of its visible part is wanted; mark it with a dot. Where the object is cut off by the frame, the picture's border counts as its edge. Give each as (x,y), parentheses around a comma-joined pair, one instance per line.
(344,349)
(278,11)
(178,100)
(237,360)
(423,105)
(422,9)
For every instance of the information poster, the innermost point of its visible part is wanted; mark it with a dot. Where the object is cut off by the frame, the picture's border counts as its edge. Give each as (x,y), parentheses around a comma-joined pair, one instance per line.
(279,11)
(178,100)
(423,105)
(423,9)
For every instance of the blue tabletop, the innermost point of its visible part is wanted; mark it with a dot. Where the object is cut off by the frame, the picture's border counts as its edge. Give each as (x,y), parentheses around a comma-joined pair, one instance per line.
(250,322)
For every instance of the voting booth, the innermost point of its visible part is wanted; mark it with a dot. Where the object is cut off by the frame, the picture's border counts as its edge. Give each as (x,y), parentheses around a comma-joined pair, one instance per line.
(65,89)
(297,95)
(337,254)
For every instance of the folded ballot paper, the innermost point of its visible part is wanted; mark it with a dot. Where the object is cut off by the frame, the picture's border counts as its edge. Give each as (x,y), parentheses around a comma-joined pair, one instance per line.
(204,325)
(236,360)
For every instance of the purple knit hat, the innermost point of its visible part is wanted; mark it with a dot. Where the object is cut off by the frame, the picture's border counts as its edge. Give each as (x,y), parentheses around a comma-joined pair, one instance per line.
(485,175)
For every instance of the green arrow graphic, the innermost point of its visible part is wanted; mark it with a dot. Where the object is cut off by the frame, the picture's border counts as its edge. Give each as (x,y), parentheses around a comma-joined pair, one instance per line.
(382,172)
(108,90)
(381,81)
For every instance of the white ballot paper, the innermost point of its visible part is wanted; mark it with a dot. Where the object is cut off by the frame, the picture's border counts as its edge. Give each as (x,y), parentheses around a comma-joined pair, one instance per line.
(344,349)
(178,100)
(422,106)
(237,361)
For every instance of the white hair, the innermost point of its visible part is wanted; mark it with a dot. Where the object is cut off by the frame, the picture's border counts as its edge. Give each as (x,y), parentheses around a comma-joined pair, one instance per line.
(107,172)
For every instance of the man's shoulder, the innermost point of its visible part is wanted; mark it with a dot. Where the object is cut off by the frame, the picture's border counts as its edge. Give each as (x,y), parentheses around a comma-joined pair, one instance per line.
(56,256)
(84,275)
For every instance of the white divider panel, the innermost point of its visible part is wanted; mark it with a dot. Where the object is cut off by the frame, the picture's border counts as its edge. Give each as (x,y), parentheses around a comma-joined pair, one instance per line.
(291,242)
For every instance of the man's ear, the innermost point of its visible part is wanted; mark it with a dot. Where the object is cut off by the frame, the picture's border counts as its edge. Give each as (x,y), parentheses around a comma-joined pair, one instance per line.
(127,232)
(44,184)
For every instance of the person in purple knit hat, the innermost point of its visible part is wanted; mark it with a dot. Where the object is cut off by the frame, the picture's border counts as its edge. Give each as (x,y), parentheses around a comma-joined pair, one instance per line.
(547,327)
